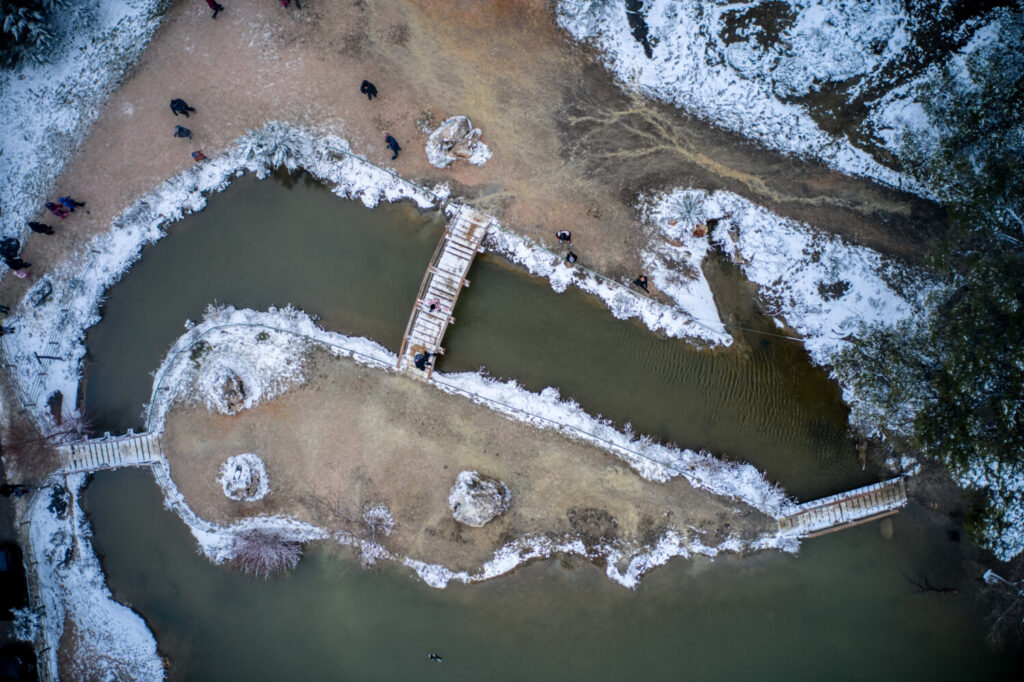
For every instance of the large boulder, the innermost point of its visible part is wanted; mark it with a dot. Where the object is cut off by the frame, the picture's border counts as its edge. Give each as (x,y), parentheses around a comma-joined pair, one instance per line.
(455,139)
(477,499)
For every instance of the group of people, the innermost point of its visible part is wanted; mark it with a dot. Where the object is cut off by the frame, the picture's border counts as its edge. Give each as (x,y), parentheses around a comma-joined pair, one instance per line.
(565,237)
(10,248)
(180,107)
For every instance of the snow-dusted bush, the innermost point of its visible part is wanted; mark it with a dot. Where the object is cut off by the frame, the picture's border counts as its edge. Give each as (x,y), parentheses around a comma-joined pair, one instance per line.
(244,478)
(264,553)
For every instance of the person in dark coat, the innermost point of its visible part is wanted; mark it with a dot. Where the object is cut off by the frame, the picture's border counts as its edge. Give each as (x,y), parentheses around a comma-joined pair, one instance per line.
(180,106)
(56,210)
(9,247)
(392,143)
(368,89)
(41,228)
(4,309)
(70,204)
(15,263)
(564,236)
(216,7)
(182,131)
(571,258)
(641,282)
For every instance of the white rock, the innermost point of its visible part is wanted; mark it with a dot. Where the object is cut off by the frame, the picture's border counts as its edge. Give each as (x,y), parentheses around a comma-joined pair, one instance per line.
(477,499)
(244,478)
(455,139)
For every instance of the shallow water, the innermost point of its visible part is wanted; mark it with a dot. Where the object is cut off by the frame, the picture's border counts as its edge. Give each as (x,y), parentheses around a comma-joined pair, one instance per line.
(843,609)
(268,243)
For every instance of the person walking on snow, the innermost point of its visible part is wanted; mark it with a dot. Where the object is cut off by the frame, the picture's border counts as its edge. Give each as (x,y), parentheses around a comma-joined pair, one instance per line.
(56,210)
(392,143)
(216,7)
(70,204)
(41,228)
(180,106)
(368,89)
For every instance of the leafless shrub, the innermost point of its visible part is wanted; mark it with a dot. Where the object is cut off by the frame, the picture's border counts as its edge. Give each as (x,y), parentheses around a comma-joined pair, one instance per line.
(29,455)
(263,553)
(1006,597)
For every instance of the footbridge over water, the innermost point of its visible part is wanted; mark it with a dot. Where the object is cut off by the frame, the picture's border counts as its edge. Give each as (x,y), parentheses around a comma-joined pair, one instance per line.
(109,452)
(844,510)
(444,279)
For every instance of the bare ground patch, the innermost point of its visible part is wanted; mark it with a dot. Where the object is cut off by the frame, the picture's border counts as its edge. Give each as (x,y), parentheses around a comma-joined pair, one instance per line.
(354,437)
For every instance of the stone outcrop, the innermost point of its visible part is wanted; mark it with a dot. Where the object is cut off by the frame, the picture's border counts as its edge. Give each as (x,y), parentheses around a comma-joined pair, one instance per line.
(455,139)
(477,499)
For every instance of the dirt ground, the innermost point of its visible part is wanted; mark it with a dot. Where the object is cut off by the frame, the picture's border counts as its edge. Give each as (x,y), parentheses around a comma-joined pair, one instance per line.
(570,149)
(354,437)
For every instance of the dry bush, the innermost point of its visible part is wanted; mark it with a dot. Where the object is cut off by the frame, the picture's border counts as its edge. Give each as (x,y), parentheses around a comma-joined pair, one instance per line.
(263,553)
(28,454)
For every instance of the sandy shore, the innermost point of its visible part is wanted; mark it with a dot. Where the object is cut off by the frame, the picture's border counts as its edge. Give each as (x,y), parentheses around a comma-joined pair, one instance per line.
(353,437)
(570,149)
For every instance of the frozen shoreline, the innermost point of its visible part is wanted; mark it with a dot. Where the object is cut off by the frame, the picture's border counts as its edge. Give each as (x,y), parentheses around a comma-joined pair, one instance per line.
(233,339)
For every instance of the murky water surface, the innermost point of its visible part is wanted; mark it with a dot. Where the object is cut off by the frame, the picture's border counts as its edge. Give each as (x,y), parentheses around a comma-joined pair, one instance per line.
(843,609)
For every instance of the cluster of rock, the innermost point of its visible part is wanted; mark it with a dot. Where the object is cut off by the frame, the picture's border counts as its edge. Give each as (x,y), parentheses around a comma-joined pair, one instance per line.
(456,139)
(476,499)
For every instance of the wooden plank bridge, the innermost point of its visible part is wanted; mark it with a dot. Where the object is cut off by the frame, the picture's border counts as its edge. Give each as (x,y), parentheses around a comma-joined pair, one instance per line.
(444,279)
(847,509)
(133,449)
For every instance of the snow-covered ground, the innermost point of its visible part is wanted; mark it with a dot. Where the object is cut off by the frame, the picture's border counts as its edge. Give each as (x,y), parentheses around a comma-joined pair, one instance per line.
(47,107)
(744,65)
(113,642)
(227,331)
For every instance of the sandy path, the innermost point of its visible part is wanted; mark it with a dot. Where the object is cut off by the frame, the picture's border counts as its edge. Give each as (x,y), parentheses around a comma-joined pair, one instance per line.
(354,437)
(570,150)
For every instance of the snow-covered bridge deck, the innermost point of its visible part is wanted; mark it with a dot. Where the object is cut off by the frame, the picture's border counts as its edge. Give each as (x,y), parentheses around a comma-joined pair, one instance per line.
(131,450)
(442,282)
(846,509)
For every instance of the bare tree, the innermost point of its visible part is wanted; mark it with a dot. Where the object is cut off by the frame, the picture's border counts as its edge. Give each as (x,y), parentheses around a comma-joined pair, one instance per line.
(1007,598)
(366,530)
(264,553)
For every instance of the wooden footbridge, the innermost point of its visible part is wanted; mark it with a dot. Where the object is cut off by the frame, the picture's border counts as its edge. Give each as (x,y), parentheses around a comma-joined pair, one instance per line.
(439,290)
(133,449)
(847,509)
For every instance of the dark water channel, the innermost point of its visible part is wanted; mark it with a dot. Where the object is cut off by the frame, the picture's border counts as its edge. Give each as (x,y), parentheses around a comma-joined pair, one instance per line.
(272,243)
(842,609)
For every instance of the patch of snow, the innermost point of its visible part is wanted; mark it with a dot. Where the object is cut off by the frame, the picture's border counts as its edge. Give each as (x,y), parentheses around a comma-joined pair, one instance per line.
(746,81)
(818,285)
(237,475)
(113,641)
(694,319)
(55,103)
(1003,484)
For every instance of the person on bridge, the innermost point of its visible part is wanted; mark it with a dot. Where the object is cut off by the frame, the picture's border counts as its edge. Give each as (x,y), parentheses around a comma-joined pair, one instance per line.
(368,89)
(421,360)
(392,143)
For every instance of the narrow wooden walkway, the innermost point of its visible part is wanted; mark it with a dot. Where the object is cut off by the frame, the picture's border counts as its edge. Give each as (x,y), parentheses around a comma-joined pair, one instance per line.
(133,449)
(847,509)
(442,282)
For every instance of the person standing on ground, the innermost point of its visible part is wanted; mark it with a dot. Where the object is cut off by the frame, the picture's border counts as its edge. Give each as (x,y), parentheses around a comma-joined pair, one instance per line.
(41,228)
(56,210)
(571,258)
(180,106)
(392,143)
(19,266)
(182,131)
(564,237)
(198,155)
(368,89)
(641,282)
(70,204)
(215,6)
(285,3)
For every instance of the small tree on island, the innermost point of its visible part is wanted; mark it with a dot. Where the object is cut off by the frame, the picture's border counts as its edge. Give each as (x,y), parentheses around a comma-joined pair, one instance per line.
(264,553)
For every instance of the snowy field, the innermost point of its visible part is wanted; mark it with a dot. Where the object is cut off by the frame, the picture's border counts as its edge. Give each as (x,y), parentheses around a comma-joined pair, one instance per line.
(48,107)
(744,66)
